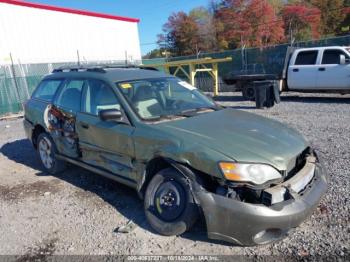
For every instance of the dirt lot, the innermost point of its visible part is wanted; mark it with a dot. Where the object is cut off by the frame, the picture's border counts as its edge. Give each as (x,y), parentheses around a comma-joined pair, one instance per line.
(78,212)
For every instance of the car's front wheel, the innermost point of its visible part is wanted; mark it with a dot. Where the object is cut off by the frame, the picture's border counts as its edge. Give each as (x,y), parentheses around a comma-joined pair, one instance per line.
(169,205)
(47,153)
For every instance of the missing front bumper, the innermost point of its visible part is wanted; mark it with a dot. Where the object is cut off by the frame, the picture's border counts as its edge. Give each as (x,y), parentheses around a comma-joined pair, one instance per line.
(292,186)
(251,224)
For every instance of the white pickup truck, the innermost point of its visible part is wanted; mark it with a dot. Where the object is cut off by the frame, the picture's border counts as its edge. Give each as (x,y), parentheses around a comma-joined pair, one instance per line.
(317,69)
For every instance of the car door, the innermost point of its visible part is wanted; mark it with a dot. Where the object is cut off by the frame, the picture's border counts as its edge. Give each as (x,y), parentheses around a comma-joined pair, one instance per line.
(302,71)
(105,144)
(331,74)
(68,101)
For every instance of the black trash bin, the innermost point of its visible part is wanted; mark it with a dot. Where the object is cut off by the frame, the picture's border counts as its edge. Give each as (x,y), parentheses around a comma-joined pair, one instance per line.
(266,93)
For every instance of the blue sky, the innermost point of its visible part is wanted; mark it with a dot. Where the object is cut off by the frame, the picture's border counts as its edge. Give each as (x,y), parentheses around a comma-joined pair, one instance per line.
(152,13)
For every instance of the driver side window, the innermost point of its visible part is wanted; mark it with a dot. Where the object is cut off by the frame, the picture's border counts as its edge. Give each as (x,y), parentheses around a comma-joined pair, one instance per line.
(332,57)
(99,96)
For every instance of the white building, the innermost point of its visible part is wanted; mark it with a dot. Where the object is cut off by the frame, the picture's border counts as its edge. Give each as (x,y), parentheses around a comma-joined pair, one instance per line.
(37,33)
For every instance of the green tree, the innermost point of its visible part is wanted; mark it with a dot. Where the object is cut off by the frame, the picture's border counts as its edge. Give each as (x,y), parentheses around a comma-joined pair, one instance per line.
(155,53)
(332,14)
(206,28)
(277,5)
(344,27)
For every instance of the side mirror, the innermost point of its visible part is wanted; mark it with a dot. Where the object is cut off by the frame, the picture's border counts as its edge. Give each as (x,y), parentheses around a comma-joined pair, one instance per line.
(110,114)
(342,60)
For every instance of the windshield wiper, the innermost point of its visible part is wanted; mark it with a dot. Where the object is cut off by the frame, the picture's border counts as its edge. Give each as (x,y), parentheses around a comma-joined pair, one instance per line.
(192,111)
(163,117)
(184,113)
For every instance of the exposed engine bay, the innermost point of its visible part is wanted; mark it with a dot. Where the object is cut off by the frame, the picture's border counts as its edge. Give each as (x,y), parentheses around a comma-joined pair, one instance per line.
(295,182)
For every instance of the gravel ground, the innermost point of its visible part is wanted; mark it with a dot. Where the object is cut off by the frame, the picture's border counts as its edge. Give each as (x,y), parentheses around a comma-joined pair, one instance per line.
(77,212)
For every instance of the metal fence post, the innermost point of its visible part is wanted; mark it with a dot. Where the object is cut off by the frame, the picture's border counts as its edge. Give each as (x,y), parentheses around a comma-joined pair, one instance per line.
(15,81)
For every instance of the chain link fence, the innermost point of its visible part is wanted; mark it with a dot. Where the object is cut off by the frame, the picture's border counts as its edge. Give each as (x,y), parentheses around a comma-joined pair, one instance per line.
(18,81)
(268,60)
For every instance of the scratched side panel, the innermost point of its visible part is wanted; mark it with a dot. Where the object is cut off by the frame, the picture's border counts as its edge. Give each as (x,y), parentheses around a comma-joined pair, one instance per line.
(107,144)
(153,141)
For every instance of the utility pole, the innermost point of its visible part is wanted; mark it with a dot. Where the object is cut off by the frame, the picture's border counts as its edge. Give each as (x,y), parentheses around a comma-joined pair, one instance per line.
(15,81)
(78,58)
(291,33)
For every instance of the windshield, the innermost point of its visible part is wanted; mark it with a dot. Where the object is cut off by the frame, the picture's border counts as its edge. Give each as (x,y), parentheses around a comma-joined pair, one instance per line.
(158,98)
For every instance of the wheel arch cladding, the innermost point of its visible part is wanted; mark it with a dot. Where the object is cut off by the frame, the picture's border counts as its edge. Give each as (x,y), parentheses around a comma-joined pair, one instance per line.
(38,129)
(157,164)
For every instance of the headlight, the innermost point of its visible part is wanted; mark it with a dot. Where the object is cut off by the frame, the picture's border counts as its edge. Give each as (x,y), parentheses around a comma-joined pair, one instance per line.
(255,173)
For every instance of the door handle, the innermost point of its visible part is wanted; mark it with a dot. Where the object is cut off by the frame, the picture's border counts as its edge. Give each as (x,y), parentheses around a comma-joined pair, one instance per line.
(84,125)
(322,69)
(296,70)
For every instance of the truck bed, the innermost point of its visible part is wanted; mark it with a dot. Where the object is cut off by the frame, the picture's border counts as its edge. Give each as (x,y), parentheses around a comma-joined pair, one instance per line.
(233,78)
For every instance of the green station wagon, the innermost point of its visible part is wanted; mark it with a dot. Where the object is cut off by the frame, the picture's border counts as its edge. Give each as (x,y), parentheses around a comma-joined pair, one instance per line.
(253,179)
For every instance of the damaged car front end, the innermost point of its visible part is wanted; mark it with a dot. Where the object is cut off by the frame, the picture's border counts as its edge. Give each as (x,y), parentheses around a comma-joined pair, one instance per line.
(248,216)
(246,197)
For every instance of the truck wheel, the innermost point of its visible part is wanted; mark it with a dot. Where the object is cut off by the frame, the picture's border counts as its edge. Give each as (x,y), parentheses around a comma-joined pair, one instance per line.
(169,205)
(248,92)
(47,153)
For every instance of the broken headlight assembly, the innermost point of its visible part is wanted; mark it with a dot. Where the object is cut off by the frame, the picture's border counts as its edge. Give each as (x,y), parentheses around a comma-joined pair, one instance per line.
(256,174)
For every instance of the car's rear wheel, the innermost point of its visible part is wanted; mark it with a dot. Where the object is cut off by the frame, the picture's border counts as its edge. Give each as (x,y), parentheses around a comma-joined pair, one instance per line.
(47,153)
(248,92)
(169,204)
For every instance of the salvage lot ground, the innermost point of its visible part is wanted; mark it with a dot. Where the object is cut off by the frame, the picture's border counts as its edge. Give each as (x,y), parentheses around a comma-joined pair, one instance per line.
(77,212)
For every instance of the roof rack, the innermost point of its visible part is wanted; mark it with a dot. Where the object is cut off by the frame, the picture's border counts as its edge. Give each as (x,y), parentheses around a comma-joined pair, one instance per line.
(98,68)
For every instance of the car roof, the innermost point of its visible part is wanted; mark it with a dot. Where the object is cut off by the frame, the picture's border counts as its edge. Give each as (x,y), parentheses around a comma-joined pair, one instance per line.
(112,74)
(125,74)
(320,48)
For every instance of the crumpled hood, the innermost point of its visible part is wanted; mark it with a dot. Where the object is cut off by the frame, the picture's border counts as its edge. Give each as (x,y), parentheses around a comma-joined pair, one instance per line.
(241,136)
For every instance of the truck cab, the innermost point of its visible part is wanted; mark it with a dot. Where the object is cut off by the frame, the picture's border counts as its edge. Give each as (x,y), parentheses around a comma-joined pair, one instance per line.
(320,69)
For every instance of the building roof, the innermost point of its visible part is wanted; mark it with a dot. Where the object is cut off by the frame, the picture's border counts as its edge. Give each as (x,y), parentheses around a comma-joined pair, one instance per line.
(68,10)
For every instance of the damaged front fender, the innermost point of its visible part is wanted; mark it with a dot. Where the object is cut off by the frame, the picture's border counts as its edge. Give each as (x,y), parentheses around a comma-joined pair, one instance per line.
(251,224)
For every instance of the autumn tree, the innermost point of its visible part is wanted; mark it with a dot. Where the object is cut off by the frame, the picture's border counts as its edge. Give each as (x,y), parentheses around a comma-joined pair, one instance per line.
(301,22)
(267,28)
(229,24)
(232,28)
(180,34)
(248,23)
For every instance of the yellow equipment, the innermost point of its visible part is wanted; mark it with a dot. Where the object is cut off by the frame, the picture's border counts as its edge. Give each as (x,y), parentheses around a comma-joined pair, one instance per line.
(192,64)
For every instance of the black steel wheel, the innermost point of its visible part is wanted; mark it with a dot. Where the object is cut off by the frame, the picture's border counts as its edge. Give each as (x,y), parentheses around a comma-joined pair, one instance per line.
(169,204)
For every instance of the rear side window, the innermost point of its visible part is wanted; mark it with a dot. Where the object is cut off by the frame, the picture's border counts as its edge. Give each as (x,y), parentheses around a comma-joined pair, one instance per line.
(47,89)
(332,57)
(306,58)
(70,96)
